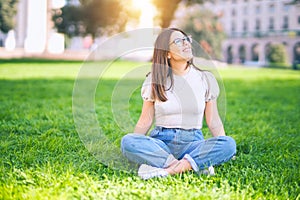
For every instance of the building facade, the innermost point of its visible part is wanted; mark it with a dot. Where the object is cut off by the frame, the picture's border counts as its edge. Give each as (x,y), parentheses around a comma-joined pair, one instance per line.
(252,26)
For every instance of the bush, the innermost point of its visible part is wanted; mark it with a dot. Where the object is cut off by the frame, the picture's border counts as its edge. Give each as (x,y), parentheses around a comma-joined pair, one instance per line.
(278,55)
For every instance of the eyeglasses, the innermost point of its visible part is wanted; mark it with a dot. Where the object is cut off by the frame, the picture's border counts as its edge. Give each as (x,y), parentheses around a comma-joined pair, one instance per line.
(180,41)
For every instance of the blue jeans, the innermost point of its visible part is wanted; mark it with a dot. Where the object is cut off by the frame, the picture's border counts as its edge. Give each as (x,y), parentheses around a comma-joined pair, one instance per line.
(164,145)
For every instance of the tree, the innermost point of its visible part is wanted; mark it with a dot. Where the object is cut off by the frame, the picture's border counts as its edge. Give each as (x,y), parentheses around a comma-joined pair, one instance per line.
(277,54)
(68,20)
(205,28)
(293,2)
(8,10)
(104,16)
(95,17)
(166,10)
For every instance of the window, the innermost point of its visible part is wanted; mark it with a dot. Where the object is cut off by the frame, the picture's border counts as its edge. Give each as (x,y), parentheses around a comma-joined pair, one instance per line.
(233,26)
(298,19)
(257,9)
(233,12)
(285,7)
(271,23)
(257,24)
(245,25)
(285,22)
(245,10)
(271,8)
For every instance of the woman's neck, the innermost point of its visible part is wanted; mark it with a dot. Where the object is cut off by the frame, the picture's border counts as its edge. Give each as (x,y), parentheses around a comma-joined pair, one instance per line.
(179,68)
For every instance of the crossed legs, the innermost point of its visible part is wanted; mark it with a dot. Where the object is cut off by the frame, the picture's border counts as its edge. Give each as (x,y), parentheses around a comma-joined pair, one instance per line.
(154,152)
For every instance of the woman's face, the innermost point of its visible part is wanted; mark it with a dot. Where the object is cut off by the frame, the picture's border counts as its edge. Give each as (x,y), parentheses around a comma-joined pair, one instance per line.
(180,47)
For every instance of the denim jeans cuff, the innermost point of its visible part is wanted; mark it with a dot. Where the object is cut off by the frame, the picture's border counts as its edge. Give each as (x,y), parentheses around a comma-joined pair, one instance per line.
(169,160)
(192,162)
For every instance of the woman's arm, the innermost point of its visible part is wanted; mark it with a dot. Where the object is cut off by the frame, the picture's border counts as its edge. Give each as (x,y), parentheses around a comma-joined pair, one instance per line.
(213,119)
(146,118)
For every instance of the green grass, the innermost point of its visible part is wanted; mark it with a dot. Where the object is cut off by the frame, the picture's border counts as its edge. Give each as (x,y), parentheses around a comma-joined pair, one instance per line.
(42,156)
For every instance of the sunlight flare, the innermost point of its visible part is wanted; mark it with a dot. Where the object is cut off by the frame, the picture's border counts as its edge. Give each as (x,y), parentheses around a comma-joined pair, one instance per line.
(147,12)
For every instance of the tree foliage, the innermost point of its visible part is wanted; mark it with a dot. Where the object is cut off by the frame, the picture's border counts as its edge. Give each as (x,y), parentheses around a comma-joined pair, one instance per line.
(167,9)
(8,10)
(95,17)
(277,54)
(68,20)
(205,28)
(293,2)
(103,16)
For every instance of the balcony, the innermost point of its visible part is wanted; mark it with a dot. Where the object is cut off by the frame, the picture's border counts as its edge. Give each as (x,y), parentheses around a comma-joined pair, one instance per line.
(263,34)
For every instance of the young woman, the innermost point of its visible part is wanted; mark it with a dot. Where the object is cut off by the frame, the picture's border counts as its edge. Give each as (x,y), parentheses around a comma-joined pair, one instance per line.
(177,95)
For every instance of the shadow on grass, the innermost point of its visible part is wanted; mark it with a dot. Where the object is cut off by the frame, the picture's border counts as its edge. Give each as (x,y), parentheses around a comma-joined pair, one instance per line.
(37,60)
(38,131)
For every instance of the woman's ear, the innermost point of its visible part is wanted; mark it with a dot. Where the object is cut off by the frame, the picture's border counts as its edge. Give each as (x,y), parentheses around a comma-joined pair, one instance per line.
(169,55)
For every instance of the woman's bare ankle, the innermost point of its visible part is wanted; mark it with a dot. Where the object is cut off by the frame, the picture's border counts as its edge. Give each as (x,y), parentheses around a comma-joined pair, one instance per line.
(173,163)
(179,167)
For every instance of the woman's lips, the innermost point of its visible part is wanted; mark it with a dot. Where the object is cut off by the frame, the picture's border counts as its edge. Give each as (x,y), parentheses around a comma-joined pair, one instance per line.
(186,50)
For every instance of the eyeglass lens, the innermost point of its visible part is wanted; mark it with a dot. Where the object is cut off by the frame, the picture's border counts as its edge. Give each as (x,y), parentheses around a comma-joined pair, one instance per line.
(180,41)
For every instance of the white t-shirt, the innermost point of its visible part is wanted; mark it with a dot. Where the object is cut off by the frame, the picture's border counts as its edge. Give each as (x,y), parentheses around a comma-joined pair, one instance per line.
(186,99)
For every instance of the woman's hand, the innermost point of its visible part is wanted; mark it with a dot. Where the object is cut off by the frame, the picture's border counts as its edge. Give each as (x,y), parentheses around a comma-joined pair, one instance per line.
(213,120)
(146,118)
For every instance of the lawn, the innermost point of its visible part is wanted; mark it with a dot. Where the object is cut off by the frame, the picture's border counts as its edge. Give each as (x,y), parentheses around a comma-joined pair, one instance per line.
(42,156)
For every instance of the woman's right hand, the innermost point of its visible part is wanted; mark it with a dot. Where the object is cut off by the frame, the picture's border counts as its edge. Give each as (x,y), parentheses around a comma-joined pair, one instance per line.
(146,118)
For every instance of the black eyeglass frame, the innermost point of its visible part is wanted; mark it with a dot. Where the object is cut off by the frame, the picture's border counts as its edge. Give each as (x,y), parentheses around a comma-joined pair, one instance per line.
(180,41)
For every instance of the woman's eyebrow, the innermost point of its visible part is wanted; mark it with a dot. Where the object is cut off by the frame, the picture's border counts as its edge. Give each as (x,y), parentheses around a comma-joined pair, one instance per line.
(180,37)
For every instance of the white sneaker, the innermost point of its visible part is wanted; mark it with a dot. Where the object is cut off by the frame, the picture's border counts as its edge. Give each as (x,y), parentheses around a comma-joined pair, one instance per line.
(146,171)
(209,171)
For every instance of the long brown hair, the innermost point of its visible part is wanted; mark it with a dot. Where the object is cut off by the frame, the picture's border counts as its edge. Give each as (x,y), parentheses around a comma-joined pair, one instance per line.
(161,66)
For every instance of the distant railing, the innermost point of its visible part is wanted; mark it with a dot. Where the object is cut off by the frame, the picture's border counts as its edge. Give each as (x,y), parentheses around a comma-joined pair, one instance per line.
(262,34)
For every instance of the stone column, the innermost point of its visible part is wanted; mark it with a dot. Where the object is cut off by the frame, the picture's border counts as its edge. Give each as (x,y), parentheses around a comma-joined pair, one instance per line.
(36,36)
(261,54)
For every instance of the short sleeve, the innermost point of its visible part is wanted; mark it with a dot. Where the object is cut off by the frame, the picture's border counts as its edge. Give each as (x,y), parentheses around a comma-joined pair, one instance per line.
(146,90)
(213,90)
